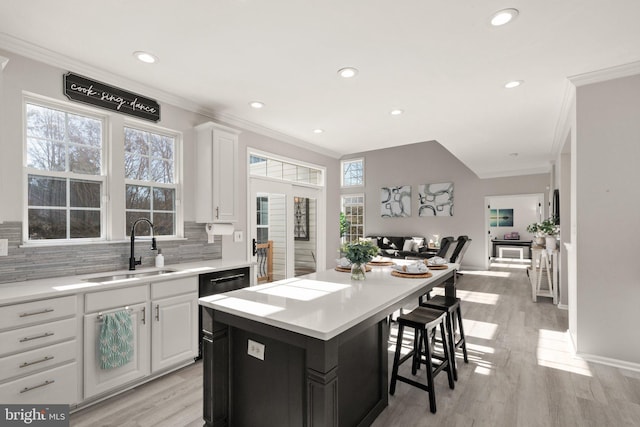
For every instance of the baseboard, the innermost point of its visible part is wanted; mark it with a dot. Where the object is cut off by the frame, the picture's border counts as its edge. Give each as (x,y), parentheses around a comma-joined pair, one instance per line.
(616,363)
(563,306)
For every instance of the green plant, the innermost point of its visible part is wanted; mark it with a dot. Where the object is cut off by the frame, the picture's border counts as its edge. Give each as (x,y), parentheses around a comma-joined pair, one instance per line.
(548,227)
(360,252)
(344,224)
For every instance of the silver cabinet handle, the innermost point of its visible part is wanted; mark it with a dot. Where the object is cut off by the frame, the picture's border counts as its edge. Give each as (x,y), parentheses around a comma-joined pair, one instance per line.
(46,334)
(26,389)
(44,359)
(217,212)
(158,312)
(225,278)
(46,310)
(144,315)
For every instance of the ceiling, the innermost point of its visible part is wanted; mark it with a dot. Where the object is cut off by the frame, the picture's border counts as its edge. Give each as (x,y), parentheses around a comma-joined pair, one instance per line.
(439,61)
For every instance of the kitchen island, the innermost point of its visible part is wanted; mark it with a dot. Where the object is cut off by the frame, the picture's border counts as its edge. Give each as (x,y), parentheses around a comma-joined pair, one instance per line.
(307,351)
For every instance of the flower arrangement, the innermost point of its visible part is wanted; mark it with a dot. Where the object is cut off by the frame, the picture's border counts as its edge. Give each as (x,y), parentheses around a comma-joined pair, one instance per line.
(548,227)
(360,252)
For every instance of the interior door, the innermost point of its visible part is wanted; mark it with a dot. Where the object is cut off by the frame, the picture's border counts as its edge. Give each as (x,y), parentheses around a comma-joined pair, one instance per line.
(285,221)
(269,237)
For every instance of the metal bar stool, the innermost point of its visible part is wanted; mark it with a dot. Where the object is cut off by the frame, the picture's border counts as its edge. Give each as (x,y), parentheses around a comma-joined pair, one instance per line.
(424,322)
(451,306)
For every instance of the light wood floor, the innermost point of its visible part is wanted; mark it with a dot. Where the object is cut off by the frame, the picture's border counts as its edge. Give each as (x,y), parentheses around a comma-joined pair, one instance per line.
(520,373)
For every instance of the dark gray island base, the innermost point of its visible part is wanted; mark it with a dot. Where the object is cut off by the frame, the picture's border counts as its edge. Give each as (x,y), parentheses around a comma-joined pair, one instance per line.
(302,381)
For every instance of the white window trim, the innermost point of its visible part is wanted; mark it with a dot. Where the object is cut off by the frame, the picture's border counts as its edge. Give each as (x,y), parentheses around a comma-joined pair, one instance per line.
(112,201)
(31,98)
(342,162)
(177,171)
(364,209)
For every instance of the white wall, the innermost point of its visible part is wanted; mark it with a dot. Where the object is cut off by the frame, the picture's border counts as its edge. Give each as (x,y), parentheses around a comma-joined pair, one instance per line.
(608,224)
(430,162)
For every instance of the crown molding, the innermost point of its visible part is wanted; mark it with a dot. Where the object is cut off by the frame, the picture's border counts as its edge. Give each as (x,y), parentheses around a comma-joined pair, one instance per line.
(38,53)
(619,71)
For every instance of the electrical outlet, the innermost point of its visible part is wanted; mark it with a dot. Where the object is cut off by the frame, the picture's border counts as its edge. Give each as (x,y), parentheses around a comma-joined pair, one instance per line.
(255,349)
(237,236)
(4,247)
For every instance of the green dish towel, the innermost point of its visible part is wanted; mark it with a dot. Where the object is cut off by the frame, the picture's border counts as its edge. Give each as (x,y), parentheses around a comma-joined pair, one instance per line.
(116,340)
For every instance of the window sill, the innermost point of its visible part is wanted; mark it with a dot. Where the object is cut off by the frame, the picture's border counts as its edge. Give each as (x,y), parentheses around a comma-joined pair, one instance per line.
(46,244)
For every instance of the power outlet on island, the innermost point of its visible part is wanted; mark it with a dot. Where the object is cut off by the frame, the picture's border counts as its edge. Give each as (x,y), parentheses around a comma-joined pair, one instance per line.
(255,349)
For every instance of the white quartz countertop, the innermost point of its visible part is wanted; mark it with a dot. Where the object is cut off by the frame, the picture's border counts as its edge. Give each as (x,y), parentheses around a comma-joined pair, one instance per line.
(11,293)
(320,305)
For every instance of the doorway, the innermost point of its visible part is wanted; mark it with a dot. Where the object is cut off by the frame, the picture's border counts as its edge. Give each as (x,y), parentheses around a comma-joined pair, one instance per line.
(285,228)
(508,217)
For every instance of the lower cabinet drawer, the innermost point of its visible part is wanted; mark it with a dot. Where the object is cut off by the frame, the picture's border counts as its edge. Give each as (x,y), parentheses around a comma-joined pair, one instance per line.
(54,386)
(36,360)
(37,336)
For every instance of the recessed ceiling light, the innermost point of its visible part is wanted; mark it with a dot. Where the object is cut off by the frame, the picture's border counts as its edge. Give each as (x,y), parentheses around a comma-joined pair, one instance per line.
(347,72)
(513,83)
(503,16)
(318,131)
(256,104)
(396,112)
(145,57)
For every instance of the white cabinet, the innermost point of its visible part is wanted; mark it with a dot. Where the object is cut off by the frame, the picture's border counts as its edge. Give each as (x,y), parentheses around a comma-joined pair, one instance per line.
(38,352)
(174,336)
(135,299)
(216,173)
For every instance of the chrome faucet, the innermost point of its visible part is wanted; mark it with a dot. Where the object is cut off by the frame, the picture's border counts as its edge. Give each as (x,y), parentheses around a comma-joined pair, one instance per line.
(132,259)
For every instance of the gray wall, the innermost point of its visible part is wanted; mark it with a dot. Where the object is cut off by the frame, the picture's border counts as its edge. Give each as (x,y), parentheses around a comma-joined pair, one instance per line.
(27,75)
(607,228)
(430,162)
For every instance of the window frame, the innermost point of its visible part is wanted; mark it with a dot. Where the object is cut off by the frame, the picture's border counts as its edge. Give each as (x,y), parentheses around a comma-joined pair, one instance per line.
(342,209)
(68,176)
(342,172)
(177,176)
(113,198)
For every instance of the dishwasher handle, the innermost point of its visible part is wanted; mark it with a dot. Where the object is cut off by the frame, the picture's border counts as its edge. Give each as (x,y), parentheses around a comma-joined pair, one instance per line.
(226,278)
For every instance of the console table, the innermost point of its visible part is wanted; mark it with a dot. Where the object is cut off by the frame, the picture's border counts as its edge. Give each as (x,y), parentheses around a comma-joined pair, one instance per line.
(513,243)
(544,262)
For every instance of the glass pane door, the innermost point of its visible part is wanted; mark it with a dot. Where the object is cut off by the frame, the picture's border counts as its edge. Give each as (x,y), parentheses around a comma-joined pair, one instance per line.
(304,234)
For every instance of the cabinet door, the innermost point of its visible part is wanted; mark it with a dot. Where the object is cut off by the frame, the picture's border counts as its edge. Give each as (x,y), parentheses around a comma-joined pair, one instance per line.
(98,380)
(216,173)
(225,176)
(174,335)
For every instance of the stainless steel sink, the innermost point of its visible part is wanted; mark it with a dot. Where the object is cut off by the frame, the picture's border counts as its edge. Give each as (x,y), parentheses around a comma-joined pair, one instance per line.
(125,276)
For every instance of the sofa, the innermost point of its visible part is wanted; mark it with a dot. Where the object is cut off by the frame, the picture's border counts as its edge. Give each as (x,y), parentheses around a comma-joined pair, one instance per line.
(402,246)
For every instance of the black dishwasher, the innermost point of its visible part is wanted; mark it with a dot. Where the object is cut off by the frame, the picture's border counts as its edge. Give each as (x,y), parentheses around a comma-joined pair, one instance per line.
(218,282)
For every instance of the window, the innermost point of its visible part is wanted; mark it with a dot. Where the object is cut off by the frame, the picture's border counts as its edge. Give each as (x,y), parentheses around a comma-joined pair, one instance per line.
(352,172)
(277,169)
(262,204)
(64,180)
(149,165)
(353,209)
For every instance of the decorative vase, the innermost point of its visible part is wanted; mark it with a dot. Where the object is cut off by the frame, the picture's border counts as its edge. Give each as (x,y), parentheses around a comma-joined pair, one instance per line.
(540,240)
(550,243)
(358,271)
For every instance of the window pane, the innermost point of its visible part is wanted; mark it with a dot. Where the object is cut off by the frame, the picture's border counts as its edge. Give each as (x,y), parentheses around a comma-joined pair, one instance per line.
(84,130)
(274,168)
(352,173)
(257,166)
(262,235)
(84,160)
(135,141)
(138,197)
(47,224)
(136,167)
(289,172)
(45,123)
(162,146)
(143,228)
(84,224)
(46,191)
(162,171)
(45,155)
(163,224)
(84,194)
(163,199)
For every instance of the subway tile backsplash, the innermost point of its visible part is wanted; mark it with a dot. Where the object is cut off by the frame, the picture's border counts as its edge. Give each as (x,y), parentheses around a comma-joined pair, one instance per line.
(55,261)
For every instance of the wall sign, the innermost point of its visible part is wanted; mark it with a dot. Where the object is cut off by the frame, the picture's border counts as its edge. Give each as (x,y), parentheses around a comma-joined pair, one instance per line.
(82,89)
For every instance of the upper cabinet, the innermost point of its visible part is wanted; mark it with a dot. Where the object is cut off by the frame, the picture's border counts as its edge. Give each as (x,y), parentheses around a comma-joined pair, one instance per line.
(216,173)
